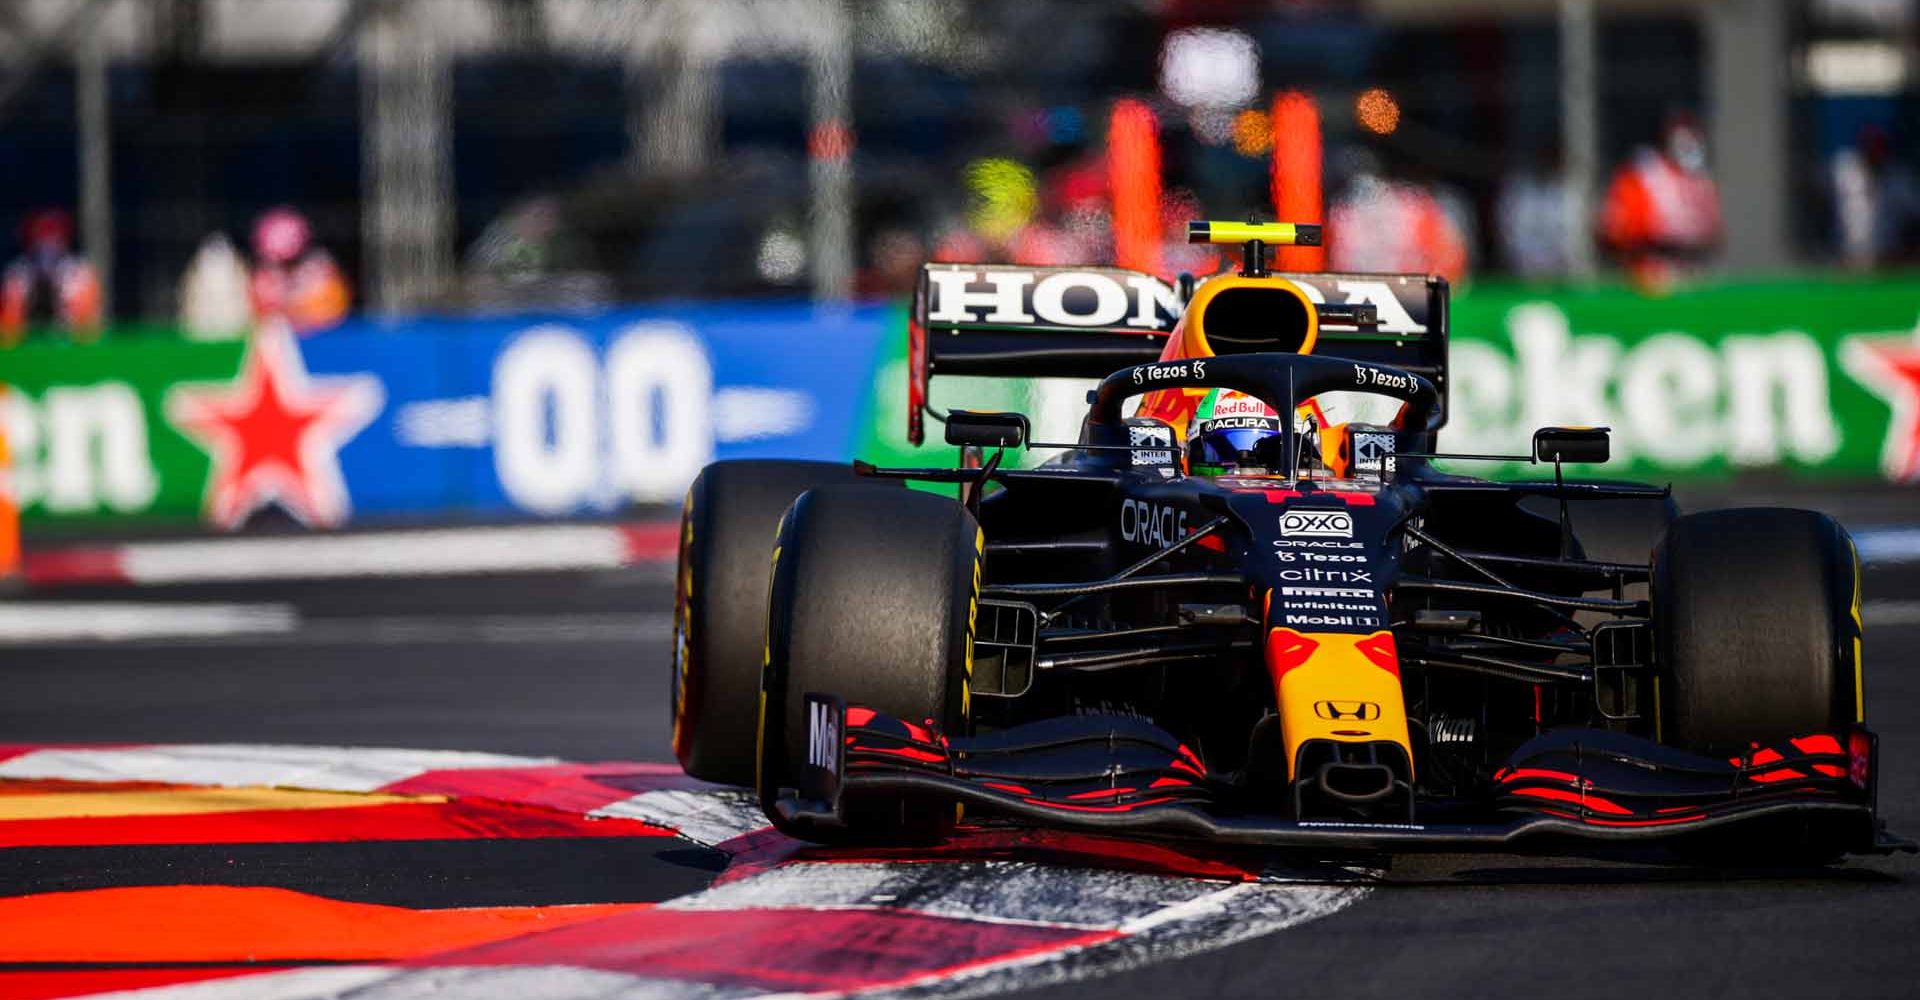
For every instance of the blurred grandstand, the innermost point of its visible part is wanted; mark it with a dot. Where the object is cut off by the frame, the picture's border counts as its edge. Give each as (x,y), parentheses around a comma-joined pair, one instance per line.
(491,154)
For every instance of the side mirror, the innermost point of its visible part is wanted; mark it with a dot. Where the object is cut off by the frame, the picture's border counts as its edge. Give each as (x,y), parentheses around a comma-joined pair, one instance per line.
(986,430)
(1571,444)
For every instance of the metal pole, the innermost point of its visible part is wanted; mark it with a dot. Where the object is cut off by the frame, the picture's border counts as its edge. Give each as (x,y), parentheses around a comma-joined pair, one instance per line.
(1748,153)
(1580,131)
(96,162)
(406,112)
(674,103)
(830,143)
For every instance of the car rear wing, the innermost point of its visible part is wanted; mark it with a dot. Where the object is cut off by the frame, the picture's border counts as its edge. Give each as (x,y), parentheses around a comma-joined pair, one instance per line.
(1087,322)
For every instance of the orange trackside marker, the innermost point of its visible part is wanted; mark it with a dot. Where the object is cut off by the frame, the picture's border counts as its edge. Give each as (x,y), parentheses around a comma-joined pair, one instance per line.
(9,508)
(1296,176)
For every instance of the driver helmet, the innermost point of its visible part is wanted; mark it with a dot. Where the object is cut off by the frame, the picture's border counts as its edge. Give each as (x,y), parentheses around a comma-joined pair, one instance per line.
(1234,434)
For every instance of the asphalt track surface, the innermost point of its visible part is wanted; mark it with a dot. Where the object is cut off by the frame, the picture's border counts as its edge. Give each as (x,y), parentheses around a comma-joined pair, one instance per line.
(574,666)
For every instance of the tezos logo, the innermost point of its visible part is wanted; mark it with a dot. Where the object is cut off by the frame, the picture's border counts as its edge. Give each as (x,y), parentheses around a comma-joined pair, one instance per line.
(1316,523)
(1369,376)
(1196,369)
(1287,555)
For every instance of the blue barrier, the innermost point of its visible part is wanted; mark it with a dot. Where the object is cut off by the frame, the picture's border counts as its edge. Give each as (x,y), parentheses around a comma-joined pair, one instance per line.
(569,414)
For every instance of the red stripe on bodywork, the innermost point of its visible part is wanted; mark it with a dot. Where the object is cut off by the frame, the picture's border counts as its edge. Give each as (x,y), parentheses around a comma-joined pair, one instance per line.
(1123,807)
(1287,649)
(1820,743)
(1598,821)
(1380,650)
(777,949)
(1592,802)
(908,753)
(1521,773)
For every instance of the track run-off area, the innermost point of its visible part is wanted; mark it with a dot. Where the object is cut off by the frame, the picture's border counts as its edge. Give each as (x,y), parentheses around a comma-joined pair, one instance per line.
(321,770)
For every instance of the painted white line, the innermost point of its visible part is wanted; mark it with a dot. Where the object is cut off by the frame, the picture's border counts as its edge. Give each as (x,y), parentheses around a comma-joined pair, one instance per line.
(37,623)
(332,769)
(1888,545)
(436,552)
(292,984)
(1891,612)
(709,818)
(1218,920)
(455,629)
(1006,892)
(280,626)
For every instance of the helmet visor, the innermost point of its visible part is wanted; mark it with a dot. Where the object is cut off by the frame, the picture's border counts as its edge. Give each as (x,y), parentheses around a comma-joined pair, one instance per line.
(1232,450)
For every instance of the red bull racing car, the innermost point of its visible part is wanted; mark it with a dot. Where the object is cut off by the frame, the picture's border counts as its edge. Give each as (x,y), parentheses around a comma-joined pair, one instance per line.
(1245,607)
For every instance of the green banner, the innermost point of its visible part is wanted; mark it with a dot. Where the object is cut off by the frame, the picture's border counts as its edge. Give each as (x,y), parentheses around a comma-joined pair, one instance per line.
(1812,377)
(88,432)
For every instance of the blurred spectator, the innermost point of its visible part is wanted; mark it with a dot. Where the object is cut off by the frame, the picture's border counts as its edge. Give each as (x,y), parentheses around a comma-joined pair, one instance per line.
(895,255)
(526,257)
(1533,218)
(49,284)
(292,278)
(1380,224)
(1662,209)
(214,302)
(1876,202)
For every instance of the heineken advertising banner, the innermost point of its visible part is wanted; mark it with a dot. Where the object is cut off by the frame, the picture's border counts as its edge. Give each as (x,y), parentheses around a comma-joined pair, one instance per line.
(551,416)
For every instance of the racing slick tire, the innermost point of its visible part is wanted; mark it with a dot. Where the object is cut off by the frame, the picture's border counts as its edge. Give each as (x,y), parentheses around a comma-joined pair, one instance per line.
(1756,620)
(873,601)
(720,605)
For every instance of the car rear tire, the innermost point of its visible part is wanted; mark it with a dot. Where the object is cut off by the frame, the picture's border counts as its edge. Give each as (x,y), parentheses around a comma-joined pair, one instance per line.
(720,605)
(1756,624)
(873,600)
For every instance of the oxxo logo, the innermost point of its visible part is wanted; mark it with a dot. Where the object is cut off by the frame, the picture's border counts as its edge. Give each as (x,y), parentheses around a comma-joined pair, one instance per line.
(1347,711)
(823,737)
(1151,523)
(1316,524)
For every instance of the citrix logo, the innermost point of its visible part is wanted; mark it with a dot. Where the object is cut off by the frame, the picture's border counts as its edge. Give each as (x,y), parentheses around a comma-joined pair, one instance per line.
(1314,574)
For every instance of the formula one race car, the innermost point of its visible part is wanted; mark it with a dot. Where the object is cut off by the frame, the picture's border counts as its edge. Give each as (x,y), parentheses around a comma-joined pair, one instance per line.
(1245,607)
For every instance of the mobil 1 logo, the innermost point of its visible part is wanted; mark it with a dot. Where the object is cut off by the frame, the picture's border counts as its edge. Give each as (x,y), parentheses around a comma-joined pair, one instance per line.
(823,735)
